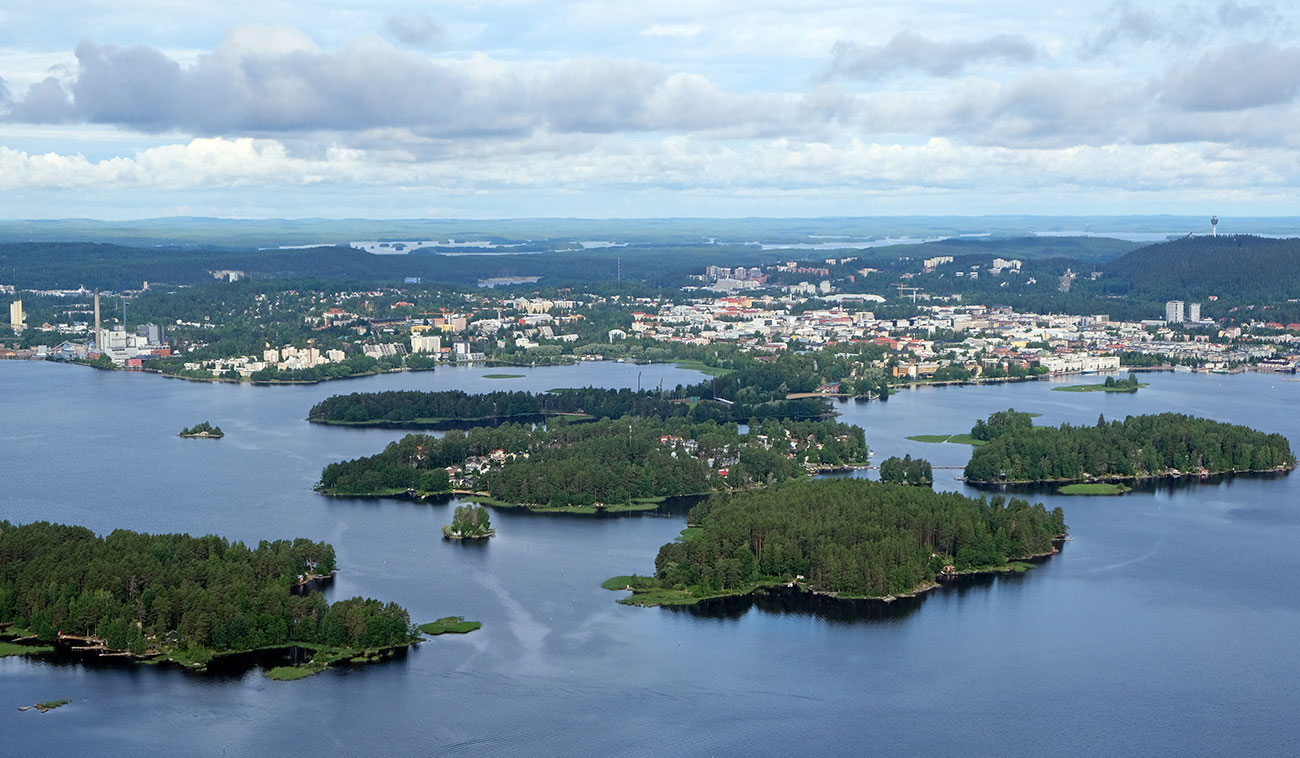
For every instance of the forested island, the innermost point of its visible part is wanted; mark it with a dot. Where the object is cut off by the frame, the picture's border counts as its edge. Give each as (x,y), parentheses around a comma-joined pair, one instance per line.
(1131,384)
(470,522)
(1139,447)
(173,597)
(755,392)
(906,470)
(616,464)
(850,538)
(203,430)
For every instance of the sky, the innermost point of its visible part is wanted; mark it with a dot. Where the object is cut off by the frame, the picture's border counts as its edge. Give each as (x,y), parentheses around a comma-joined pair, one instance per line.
(123,109)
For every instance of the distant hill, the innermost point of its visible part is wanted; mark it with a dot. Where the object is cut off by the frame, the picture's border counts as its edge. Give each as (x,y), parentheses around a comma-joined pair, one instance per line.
(1083,249)
(1238,267)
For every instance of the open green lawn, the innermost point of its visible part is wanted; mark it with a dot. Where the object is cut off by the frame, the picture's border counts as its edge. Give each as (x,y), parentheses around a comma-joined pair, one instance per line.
(1093,488)
(9,648)
(450,625)
(503,376)
(703,368)
(291,673)
(652,596)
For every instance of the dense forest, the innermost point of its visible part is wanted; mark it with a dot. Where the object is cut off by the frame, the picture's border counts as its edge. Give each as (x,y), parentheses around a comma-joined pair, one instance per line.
(753,393)
(158,593)
(49,265)
(906,470)
(612,461)
(401,407)
(850,536)
(1239,268)
(1137,447)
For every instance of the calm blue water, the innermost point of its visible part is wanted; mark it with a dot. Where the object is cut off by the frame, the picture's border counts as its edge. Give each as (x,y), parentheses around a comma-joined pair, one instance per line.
(1166,627)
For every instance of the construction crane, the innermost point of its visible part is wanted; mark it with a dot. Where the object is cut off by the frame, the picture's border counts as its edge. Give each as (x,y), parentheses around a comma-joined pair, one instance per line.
(912,290)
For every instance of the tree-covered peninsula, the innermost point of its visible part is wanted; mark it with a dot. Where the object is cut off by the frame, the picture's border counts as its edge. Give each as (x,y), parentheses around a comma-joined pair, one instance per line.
(847,537)
(179,597)
(1139,447)
(613,462)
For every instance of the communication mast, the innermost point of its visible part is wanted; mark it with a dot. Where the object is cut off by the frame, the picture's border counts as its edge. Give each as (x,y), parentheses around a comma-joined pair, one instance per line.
(1214,226)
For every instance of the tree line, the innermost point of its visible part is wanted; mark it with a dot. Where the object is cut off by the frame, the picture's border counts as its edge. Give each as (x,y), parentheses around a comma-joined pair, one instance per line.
(850,536)
(1137,447)
(146,593)
(414,408)
(906,470)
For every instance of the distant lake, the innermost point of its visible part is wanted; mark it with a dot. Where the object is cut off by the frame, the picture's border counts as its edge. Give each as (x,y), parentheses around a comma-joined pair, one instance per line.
(1166,627)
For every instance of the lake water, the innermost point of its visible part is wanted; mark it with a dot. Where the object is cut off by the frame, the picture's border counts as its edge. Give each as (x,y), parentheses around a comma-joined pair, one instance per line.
(1167,626)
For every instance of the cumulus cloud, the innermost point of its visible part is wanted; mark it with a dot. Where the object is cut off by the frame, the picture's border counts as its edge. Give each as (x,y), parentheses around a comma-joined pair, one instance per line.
(277,83)
(417,30)
(1127,23)
(271,83)
(909,51)
(606,165)
(1245,75)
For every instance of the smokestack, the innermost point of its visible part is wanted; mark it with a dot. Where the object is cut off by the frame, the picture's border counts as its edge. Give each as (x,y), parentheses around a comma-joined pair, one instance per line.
(99,336)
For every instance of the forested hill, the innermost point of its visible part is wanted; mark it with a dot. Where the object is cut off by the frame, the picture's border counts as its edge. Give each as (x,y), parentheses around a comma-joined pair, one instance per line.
(1084,249)
(52,265)
(1239,267)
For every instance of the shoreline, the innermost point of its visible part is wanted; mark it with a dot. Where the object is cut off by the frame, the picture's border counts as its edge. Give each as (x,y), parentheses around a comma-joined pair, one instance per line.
(1172,474)
(1011,565)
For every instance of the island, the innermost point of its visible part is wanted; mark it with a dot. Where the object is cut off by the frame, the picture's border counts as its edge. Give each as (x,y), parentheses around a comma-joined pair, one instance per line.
(1139,447)
(45,707)
(628,463)
(760,392)
(450,625)
(470,522)
(203,431)
(178,599)
(906,470)
(1130,385)
(844,538)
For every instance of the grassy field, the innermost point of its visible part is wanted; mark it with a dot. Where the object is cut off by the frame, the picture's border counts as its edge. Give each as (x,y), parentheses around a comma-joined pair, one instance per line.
(9,648)
(503,376)
(703,368)
(1093,488)
(292,673)
(450,625)
(652,596)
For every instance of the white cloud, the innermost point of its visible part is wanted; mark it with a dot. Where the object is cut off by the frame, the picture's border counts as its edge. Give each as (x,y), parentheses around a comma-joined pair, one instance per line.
(672,30)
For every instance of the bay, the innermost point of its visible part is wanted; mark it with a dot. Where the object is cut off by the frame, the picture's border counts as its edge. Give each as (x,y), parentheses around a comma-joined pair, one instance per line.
(1165,627)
